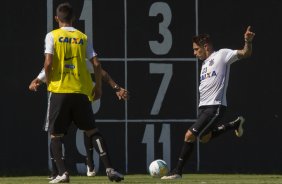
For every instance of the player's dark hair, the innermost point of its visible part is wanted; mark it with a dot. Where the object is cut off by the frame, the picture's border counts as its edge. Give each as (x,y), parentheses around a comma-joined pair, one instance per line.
(65,12)
(202,39)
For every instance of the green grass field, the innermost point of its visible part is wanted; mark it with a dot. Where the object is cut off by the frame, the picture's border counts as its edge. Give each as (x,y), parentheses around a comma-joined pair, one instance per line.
(146,179)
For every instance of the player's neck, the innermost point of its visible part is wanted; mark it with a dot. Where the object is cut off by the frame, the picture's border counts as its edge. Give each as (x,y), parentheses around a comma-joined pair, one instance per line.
(209,52)
(64,24)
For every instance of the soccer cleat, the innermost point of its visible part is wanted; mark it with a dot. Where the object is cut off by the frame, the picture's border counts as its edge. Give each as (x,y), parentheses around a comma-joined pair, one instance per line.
(90,173)
(239,124)
(61,179)
(172,175)
(114,175)
(51,177)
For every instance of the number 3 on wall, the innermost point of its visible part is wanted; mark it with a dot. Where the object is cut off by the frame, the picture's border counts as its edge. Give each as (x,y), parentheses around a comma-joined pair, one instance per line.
(159,68)
(165,46)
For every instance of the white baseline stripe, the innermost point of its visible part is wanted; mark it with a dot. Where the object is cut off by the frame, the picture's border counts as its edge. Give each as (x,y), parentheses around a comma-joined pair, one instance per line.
(125,80)
(146,120)
(148,59)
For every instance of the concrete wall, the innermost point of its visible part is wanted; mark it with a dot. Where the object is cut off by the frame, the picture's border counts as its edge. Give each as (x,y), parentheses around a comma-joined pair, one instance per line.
(146,47)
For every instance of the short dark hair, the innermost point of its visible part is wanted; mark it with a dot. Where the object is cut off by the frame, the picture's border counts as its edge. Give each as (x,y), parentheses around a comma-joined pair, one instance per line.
(65,12)
(202,39)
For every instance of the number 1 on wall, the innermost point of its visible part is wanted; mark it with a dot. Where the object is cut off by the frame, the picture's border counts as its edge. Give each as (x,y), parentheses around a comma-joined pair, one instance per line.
(149,140)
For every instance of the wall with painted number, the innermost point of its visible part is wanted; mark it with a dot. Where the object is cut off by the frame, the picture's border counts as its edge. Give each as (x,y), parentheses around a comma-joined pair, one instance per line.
(146,47)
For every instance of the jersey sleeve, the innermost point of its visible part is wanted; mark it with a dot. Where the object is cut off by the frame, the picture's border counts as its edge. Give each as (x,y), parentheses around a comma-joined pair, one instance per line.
(229,55)
(90,53)
(49,44)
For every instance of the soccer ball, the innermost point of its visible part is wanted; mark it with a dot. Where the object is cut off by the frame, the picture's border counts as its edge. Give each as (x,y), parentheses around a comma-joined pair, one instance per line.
(158,168)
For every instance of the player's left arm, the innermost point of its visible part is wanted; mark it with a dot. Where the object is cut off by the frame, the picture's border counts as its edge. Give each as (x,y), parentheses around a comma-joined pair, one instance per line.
(47,66)
(120,91)
(35,83)
(248,47)
(98,77)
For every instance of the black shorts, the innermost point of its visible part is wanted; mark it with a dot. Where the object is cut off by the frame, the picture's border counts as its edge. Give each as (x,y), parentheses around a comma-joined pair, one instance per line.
(208,118)
(65,108)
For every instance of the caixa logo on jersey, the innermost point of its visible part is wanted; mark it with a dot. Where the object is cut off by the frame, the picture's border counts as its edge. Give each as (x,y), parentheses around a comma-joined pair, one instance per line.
(69,66)
(71,40)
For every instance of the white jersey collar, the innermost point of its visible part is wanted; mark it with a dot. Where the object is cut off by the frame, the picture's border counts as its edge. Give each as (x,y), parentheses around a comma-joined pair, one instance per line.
(68,28)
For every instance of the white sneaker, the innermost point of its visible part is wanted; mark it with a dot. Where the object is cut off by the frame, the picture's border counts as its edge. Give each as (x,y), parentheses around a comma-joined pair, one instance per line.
(61,179)
(239,131)
(51,177)
(90,173)
(171,177)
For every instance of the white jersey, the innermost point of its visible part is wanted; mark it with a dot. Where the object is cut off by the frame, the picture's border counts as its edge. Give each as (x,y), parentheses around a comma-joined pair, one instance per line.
(214,77)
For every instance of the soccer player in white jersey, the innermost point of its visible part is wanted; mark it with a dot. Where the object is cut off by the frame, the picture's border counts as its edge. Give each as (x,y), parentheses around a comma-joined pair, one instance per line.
(121,94)
(213,86)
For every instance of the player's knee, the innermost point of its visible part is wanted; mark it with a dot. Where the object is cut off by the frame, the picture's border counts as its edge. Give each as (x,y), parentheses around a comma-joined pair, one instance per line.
(90,133)
(206,138)
(56,136)
(189,137)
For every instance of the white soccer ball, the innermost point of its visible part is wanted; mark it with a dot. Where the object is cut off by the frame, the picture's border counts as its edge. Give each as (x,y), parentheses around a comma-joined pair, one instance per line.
(158,168)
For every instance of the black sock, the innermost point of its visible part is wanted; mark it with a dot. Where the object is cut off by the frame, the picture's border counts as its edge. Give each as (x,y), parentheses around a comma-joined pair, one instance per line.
(54,169)
(218,131)
(185,153)
(89,152)
(56,147)
(222,128)
(100,146)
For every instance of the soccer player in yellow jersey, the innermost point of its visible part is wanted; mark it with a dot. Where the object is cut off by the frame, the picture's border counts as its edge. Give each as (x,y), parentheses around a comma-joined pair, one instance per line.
(70,89)
(120,91)
(121,94)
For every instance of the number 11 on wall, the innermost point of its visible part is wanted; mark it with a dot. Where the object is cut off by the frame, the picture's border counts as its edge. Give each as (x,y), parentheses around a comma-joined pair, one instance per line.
(149,140)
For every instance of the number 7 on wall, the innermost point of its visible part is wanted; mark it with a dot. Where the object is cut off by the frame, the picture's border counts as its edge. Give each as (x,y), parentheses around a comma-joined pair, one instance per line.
(166,69)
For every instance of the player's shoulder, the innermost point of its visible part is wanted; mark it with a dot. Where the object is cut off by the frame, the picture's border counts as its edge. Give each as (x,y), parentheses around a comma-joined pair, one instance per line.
(225,50)
(229,55)
(80,34)
(77,30)
(55,31)
(49,36)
